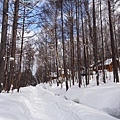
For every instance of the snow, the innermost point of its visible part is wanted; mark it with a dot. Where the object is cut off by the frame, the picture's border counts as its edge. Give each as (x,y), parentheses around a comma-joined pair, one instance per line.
(41,103)
(108,61)
(11,59)
(49,102)
(105,97)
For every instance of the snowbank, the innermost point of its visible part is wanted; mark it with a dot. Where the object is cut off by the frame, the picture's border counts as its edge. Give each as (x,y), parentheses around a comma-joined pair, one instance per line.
(105,97)
(62,109)
(37,103)
(22,106)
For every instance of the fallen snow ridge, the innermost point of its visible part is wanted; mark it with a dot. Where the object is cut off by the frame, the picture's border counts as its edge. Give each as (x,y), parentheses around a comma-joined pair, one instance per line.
(36,103)
(104,98)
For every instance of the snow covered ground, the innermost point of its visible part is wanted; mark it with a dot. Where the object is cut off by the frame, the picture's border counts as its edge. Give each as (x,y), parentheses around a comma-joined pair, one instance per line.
(45,102)
(37,103)
(105,98)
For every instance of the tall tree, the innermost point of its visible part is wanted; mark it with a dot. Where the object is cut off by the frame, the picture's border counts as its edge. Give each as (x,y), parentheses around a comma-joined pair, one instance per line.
(21,51)
(101,24)
(3,39)
(95,42)
(78,44)
(63,42)
(72,42)
(84,44)
(56,39)
(115,71)
(13,50)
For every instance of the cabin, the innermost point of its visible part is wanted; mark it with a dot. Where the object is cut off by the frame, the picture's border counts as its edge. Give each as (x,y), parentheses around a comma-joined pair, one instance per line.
(108,65)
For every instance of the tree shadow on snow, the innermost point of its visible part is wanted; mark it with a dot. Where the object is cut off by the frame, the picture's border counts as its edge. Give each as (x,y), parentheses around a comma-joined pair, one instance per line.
(113,112)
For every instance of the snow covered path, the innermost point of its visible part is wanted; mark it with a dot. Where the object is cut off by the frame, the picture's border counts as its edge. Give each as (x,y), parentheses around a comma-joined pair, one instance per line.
(62,109)
(36,103)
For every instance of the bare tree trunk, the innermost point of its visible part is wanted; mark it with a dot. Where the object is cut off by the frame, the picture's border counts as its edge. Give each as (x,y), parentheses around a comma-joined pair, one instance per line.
(115,71)
(56,45)
(116,43)
(84,44)
(89,20)
(78,44)
(46,60)
(63,42)
(6,81)
(21,51)
(69,74)
(72,49)
(95,44)
(103,68)
(14,34)
(90,38)
(3,40)
(87,53)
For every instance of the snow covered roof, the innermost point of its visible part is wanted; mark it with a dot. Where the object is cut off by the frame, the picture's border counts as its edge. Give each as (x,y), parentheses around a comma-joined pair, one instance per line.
(108,61)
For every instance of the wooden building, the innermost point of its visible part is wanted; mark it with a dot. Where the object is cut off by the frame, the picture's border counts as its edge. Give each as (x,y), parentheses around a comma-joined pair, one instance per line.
(108,65)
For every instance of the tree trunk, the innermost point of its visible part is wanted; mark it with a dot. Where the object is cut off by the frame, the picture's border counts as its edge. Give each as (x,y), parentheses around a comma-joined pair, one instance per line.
(63,42)
(72,49)
(84,45)
(115,71)
(103,68)
(14,34)
(95,44)
(21,51)
(78,45)
(56,41)
(6,80)
(3,40)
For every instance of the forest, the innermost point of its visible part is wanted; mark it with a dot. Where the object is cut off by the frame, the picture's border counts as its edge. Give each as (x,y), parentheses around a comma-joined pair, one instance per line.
(65,40)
